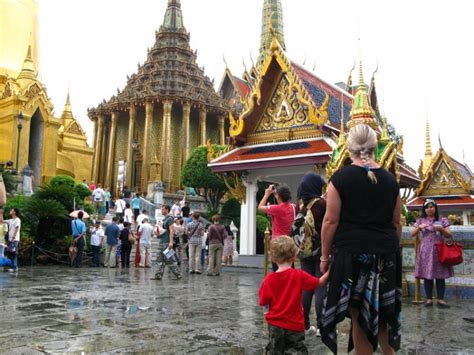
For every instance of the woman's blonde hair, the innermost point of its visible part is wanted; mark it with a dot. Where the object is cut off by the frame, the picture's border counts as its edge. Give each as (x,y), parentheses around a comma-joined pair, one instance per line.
(361,142)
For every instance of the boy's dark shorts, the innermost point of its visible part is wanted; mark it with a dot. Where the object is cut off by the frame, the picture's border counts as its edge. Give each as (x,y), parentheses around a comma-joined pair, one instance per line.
(284,341)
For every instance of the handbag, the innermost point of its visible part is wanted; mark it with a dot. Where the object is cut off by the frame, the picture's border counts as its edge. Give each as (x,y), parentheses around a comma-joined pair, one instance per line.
(450,254)
(72,253)
(131,239)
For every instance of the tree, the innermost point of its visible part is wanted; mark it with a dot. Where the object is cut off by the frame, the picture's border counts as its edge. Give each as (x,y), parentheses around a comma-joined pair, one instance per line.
(44,216)
(197,174)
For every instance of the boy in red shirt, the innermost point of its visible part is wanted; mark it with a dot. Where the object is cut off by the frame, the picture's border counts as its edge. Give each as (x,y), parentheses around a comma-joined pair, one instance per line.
(282,291)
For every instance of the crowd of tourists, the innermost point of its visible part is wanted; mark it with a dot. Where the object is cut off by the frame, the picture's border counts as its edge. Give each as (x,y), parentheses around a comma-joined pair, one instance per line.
(182,234)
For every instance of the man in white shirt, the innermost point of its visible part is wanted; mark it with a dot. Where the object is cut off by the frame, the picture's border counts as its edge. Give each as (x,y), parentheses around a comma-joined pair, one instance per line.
(128,214)
(99,196)
(146,233)
(97,239)
(120,206)
(176,208)
(141,217)
(14,227)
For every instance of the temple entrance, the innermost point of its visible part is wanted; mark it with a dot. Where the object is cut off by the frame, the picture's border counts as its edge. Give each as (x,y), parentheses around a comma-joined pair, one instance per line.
(35,151)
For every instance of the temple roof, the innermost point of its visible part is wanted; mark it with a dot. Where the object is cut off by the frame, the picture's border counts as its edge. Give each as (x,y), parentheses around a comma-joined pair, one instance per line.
(318,88)
(169,72)
(443,201)
(445,177)
(282,154)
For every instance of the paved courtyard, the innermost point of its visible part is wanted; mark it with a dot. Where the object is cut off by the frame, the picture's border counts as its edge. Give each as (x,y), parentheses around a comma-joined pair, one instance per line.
(59,310)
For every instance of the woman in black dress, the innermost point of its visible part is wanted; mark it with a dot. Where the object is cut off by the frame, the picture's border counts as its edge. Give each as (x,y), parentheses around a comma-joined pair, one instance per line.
(362,223)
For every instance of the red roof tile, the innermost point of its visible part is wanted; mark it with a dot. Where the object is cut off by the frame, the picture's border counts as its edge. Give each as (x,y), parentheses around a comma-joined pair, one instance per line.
(443,201)
(281,154)
(242,86)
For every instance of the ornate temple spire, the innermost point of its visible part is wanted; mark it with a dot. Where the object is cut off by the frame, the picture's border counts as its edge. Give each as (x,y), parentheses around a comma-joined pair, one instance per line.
(173,17)
(28,71)
(428,152)
(272,14)
(67,115)
(362,111)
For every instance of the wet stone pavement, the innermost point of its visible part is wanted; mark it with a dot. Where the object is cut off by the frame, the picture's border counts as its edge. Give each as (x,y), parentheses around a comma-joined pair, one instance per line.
(59,310)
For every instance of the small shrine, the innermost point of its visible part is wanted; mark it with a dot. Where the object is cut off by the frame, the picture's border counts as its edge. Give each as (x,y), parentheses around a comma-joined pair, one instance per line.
(448,182)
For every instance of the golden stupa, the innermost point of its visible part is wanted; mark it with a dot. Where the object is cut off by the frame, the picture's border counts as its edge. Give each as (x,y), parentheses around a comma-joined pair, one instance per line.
(49,145)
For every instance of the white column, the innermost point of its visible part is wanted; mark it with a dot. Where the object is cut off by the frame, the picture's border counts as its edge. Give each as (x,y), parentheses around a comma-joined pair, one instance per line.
(465,218)
(248,220)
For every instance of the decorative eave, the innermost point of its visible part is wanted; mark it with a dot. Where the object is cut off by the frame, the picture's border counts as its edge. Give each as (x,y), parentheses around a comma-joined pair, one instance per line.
(282,154)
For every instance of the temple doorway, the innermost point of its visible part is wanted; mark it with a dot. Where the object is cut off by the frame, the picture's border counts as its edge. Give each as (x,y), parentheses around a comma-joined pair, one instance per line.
(35,152)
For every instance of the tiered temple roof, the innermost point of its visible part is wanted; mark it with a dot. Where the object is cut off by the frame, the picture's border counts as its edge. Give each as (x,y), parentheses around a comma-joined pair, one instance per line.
(169,72)
(447,181)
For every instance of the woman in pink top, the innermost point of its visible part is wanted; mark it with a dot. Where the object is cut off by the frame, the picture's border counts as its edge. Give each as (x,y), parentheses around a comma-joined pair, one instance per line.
(282,214)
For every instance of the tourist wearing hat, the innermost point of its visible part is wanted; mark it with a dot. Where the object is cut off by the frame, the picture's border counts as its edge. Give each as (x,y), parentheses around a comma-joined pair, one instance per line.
(97,239)
(428,267)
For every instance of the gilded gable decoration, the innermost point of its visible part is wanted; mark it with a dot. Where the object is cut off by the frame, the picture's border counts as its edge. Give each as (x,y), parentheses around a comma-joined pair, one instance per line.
(74,128)
(444,178)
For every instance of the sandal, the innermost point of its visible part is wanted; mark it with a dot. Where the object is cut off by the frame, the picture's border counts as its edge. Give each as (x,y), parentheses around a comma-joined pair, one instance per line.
(443,304)
(428,303)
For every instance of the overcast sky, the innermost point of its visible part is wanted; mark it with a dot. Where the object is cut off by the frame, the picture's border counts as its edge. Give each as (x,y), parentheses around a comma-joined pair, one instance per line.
(424,50)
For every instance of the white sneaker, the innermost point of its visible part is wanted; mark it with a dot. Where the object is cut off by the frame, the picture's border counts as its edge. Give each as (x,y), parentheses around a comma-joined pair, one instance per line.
(311,330)
(12,270)
(318,333)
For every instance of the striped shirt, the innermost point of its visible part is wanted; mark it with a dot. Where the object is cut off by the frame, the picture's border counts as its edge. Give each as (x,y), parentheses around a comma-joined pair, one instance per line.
(195,231)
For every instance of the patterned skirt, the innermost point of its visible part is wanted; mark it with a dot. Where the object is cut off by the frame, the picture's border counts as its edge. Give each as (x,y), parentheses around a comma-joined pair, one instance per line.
(370,283)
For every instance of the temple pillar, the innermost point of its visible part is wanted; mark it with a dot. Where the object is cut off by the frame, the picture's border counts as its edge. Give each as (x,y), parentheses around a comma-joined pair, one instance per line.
(131,128)
(202,126)
(466,218)
(248,219)
(165,141)
(109,177)
(146,146)
(98,148)
(94,158)
(186,117)
(103,154)
(221,125)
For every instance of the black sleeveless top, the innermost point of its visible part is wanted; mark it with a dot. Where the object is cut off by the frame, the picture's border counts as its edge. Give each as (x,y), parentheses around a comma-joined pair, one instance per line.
(366,220)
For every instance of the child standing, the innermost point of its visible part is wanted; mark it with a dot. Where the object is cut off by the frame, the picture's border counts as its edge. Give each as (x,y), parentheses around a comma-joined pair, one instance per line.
(282,291)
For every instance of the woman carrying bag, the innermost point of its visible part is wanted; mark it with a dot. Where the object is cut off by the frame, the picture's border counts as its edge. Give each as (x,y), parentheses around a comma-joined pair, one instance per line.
(428,267)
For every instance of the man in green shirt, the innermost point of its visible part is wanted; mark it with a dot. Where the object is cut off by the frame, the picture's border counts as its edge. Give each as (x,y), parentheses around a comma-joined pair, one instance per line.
(166,244)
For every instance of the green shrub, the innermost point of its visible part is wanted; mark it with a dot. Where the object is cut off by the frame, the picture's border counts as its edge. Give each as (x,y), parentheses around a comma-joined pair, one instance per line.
(62,180)
(82,192)
(231,208)
(263,222)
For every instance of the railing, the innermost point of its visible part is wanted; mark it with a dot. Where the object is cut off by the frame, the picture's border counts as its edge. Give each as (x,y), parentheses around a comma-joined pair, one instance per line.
(149,207)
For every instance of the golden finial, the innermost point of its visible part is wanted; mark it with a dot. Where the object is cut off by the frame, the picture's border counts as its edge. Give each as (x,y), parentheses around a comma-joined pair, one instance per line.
(439,140)
(225,61)
(428,151)
(28,71)
(67,106)
(362,112)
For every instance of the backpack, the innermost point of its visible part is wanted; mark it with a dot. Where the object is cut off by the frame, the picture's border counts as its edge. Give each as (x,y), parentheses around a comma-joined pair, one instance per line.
(304,230)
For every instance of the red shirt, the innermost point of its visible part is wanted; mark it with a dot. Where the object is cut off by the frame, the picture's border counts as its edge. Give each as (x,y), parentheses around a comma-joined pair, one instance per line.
(282,291)
(282,216)
(91,187)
